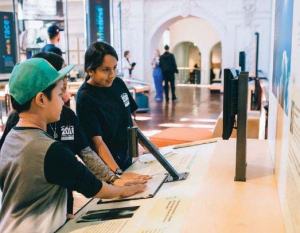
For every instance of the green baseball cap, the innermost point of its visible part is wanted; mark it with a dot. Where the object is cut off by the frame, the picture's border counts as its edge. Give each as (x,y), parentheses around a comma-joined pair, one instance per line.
(33,76)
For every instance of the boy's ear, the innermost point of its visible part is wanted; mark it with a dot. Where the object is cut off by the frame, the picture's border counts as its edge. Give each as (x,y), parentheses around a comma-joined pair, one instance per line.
(40,99)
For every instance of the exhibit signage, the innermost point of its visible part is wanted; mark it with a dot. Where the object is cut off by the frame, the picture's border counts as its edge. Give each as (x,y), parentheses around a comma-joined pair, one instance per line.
(7,42)
(98,21)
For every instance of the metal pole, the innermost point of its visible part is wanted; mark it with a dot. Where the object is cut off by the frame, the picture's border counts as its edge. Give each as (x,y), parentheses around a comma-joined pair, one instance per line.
(256,55)
(16,28)
(112,27)
(67,32)
(121,43)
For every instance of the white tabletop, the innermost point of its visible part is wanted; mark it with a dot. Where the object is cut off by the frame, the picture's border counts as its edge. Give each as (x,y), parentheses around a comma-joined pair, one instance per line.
(208,201)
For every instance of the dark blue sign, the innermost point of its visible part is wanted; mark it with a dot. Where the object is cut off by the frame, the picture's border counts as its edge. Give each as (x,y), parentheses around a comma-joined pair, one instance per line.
(100,23)
(7,42)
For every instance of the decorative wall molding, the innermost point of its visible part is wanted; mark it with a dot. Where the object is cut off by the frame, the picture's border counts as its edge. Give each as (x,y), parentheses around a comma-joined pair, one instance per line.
(249,8)
(145,20)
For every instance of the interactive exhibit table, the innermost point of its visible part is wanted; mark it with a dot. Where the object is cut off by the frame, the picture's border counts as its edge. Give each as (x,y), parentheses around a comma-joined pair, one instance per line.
(207,201)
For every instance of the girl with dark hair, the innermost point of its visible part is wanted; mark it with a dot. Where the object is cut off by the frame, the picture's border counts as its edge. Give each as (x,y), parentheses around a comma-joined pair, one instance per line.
(104,107)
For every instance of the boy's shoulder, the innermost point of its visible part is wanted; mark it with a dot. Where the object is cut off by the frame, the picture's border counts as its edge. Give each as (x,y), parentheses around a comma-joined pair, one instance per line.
(27,139)
(67,111)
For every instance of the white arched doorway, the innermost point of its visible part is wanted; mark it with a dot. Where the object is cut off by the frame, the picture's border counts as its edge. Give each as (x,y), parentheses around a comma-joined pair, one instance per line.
(163,23)
(216,63)
(188,58)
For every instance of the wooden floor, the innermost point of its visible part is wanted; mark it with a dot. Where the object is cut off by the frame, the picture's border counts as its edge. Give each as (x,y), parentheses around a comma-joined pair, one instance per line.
(196,107)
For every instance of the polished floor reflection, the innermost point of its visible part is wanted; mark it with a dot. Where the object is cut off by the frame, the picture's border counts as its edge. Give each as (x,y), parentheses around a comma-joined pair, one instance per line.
(196,107)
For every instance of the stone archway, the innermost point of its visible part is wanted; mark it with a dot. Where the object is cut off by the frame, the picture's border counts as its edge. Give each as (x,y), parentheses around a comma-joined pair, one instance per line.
(165,20)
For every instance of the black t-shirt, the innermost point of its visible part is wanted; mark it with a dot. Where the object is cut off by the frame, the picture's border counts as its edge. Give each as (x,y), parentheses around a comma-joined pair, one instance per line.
(106,112)
(62,168)
(67,130)
(52,48)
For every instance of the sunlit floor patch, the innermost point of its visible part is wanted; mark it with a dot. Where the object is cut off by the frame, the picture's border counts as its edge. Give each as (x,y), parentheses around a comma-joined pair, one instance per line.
(149,133)
(178,125)
(143,118)
(185,119)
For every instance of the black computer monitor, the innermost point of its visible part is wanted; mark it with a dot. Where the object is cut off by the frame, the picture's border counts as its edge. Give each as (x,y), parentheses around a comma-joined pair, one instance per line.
(235,115)
(230,101)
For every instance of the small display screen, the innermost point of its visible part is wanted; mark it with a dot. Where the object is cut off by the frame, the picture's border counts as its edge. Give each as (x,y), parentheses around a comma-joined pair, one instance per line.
(7,42)
(98,26)
(100,23)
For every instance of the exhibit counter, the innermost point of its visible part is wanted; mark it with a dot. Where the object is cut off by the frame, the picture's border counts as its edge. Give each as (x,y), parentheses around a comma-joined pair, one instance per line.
(207,201)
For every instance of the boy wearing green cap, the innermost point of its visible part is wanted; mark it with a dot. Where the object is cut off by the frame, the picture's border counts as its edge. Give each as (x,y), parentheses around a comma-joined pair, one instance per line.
(35,170)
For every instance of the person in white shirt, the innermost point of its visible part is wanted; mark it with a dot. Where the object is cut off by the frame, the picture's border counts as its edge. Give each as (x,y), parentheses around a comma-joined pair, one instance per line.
(127,66)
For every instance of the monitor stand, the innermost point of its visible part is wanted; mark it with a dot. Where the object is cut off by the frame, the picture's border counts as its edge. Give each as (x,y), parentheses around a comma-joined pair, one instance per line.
(136,135)
(241,142)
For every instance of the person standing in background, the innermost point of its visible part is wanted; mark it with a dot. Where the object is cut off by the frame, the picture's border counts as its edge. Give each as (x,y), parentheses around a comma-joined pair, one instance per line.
(54,37)
(168,66)
(195,75)
(157,77)
(127,65)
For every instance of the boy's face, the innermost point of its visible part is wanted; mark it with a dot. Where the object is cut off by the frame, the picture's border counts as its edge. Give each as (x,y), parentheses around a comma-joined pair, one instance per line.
(54,106)
(105,74)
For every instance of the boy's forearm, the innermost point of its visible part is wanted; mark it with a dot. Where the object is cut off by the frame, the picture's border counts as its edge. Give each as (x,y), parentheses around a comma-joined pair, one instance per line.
(96,165)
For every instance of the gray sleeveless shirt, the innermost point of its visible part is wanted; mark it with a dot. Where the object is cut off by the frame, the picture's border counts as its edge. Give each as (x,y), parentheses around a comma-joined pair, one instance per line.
(29,202)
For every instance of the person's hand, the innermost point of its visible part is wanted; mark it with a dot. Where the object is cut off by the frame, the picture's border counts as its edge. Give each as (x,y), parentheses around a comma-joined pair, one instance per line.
(132,189)
(127,182)
(109,191)
(134,176)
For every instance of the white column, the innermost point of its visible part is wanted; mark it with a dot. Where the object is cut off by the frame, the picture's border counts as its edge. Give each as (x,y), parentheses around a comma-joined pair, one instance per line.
(205,67)
(133,34)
